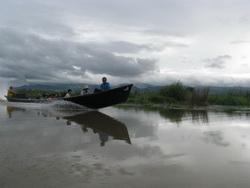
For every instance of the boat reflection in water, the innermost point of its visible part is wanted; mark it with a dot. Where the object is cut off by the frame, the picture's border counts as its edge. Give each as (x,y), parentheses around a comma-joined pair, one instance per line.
(102,124)
(11,109)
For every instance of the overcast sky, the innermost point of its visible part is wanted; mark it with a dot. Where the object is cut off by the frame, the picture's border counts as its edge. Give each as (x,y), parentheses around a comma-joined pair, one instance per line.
(159,42)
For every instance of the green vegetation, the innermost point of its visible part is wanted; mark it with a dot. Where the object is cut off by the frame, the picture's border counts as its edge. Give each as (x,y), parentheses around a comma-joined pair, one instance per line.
(177,94)
(229,99)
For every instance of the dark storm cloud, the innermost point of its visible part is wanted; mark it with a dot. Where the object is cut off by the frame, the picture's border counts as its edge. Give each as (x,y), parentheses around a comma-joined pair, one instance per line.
(216,63)
(123,47)
(38,40)
(132,48)
(33,57)
(35,16)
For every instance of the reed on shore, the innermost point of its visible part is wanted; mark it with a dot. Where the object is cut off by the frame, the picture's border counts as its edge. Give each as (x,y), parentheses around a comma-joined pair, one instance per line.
(177,94)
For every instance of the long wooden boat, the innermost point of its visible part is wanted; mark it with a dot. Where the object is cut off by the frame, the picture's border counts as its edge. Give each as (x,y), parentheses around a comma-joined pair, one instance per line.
(94,101)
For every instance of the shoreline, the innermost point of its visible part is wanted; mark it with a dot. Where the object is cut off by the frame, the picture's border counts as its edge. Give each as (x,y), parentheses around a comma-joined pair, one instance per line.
(183,107)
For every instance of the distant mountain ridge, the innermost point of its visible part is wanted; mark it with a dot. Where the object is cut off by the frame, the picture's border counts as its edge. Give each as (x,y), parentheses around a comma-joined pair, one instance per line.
(141,88)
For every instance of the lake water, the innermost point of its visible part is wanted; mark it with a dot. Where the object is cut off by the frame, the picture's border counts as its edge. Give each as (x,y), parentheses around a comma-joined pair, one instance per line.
(51,146)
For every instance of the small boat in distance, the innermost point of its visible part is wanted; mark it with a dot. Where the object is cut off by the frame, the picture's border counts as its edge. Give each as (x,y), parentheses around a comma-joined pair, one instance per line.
(101,99)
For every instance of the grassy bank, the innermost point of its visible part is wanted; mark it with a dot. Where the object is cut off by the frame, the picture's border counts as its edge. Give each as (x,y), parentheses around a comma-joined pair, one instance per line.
(178,95)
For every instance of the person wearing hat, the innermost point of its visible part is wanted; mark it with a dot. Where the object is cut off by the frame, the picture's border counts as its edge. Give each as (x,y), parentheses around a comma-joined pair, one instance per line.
(85,90)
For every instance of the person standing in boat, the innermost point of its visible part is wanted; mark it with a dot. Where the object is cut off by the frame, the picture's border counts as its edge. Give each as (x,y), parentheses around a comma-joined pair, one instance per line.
(68,93)
(11,92)
(105,85)
(85,90)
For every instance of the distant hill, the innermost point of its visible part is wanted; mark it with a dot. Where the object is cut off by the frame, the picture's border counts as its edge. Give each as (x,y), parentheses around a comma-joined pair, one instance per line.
(140,88)
(225,90)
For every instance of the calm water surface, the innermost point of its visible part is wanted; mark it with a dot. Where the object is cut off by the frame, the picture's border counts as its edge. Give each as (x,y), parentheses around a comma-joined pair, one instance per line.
(51,146)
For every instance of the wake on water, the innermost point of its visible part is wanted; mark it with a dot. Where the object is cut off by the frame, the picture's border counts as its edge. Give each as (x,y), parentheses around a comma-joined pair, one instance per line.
(57,107)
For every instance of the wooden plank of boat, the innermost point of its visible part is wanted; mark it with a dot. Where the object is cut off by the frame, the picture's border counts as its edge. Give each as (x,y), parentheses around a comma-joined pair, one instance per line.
(96,100)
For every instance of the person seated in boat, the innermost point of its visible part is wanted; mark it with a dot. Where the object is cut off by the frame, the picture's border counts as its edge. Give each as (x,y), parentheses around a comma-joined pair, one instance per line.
(85,90)
(68,93)
(51,96)
(11,92)
(105,85)
(39,96)
(44,96)
(59,95)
